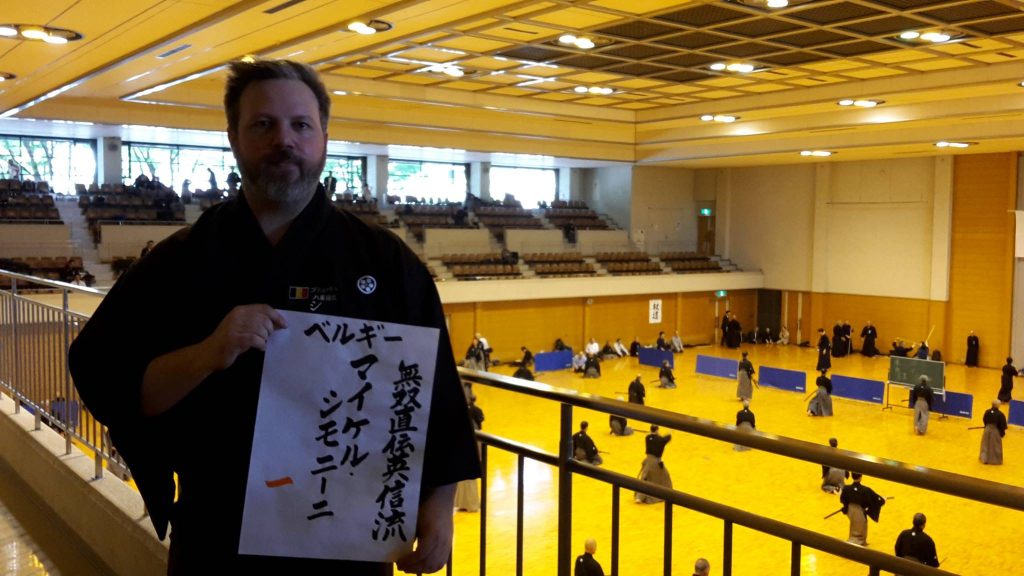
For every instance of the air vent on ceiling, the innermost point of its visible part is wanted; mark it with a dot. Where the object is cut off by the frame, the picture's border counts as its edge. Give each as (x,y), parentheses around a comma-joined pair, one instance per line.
(174,51)
(282,6)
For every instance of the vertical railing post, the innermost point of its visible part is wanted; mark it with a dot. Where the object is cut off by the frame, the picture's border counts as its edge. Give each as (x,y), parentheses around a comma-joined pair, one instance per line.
(565,492)
(16,374)
(68,431)
(794,560)
(727,550)
(483,508)
(520,512)
(615,529)
(668,539)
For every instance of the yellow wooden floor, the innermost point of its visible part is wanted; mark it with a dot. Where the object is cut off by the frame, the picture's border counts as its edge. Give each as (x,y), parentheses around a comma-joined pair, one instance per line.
(972,538)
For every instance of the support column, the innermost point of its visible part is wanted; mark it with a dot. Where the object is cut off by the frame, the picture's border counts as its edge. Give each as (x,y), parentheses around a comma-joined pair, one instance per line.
(377,178)
(108,161)
(480,180)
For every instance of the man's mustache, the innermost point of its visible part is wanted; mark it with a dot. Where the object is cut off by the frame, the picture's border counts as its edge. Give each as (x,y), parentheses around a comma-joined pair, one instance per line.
(282,156)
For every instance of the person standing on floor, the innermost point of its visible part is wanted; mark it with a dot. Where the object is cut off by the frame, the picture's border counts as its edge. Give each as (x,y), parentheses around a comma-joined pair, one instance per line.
(869,334)
(746,422)
(653,469)
(1006,381)
(824,351)
(744,382)
(860,503)
(914,544)
(921,398)
(973,346)
(992,436)
(586,565)
(821,404)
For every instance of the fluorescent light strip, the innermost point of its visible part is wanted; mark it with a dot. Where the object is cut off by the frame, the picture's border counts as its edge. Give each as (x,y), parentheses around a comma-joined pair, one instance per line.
(166,85)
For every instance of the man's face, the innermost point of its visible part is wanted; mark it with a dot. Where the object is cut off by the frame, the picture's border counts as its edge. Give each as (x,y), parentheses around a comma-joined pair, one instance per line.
(279,142)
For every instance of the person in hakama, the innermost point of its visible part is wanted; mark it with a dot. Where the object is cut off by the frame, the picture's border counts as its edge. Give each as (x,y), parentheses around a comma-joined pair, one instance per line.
(585,563)
(1006,382)
(735,332)
(821,403)
(860,503)
(833,479)
(744,384)
(524,373)
(592,367)
(725,329)
(661,343)
(848,337)
(914,544)
(992,436)
(634,347)
(527,357)
(665,376)
(619,424)
(824,349)
(653,469)
(838,346)
(922,351)
(921,399)
(869,334)
(745,422)
(467,495)
(637,391)
(973,346)
(608,351)
(583,447)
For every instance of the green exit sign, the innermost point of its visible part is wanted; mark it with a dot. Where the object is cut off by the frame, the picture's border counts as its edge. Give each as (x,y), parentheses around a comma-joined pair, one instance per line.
(721,293)
(705,211)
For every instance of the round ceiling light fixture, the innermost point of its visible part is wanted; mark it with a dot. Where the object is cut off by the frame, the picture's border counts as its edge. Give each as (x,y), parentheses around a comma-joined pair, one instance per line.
(860,102)
(929,36)
(369,27)
(5,76)
(817,153)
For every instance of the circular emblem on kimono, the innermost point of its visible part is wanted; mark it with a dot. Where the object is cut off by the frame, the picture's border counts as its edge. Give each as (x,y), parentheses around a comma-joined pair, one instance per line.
(367,284)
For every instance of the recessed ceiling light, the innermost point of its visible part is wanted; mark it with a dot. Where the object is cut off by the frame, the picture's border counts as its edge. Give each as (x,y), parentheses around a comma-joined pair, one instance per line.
(946,144)
(1021,84)
(737,67)
(580,89)
(860,102)
(567,39)
(726,118)
(37,32)
(910,35)
(454,71)
(817,153)
(340,93)
(584,43)
(777,3)
(718,66)
(935,37)
(55,39)
(8,30)
(6,76)
(34,32)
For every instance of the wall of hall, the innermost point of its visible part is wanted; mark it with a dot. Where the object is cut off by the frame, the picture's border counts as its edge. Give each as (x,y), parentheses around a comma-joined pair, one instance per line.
(609,190)
(981,268)
(537,323)
(663,208)
(770,212)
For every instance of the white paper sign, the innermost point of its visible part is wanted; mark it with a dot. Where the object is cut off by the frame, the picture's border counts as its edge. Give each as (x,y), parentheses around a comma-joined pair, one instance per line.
(341,427)
(654,311)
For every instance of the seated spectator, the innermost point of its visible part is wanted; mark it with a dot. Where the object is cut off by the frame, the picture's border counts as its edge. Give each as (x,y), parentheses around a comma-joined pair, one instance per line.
(783,336)
(579,361)
(620,348)
(608,352)
(677,343)
(527,357)
(559,345)
(634,348)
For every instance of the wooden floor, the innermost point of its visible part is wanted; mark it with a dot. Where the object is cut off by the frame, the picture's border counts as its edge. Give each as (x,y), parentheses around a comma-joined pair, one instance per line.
(972,538)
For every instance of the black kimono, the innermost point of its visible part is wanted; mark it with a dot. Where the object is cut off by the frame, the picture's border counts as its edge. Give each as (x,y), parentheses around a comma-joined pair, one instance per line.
(637,392)
(735,334)
(1006,383)
(869,334)
(838,346)
(824,347)
(973,345)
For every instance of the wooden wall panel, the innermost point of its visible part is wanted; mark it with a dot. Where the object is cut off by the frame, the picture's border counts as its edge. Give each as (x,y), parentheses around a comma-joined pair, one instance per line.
(461,326)
(531,323)
(743,304)
(696,317)
(981,262)
(626,317)
(908,318)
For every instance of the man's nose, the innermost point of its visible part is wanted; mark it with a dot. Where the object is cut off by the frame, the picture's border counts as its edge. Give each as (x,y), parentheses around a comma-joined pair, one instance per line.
(282,136)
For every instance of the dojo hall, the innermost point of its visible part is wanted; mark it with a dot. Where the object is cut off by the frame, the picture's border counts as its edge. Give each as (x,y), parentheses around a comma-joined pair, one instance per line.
(574,171)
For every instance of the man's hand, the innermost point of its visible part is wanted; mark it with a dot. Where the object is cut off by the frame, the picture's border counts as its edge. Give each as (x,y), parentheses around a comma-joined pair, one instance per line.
(243,328)
(434,529)
(171,377)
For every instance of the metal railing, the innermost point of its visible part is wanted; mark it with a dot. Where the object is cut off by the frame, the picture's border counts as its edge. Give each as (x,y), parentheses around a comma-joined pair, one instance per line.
(34,342)
(912,475)
(34,339)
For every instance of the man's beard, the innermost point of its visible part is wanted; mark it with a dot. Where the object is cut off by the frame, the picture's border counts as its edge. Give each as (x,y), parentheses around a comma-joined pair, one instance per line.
(282,188)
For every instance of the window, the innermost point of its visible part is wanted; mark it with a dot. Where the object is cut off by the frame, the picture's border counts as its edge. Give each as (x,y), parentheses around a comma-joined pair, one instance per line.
(59,162)
(427,181)
(348,170)
(528,185)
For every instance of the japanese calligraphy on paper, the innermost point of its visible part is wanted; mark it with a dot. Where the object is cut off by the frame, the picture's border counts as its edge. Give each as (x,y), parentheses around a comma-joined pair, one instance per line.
(341,427)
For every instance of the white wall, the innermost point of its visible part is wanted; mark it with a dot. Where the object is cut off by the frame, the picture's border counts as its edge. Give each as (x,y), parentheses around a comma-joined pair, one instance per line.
(530,241)
(42,240)
(769,216)
(128,240)
(610,191)
(440,241)
(878,228)
(664,209)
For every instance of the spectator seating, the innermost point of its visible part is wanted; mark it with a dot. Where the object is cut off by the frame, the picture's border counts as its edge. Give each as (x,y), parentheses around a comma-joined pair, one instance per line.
(622,257)
(633,268)
(16,205)
(556,269)
(500,218)
(485,271)
(419,216)
(686,262)
(551,257)
(366,211)
(131,205)
(49,268)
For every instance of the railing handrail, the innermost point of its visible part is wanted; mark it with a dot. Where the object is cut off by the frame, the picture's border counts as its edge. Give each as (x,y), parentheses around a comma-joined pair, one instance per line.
(802,536)
(951,483)
(53,283)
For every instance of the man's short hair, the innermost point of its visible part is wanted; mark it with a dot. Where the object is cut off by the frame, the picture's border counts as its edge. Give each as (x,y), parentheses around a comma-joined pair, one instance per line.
(584,425)
(856,475)
(654,427)
(242,74)
(833,442)
(701,566)
(919,520)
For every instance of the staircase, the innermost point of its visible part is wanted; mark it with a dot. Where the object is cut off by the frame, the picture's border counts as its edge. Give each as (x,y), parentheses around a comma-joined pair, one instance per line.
(81,240)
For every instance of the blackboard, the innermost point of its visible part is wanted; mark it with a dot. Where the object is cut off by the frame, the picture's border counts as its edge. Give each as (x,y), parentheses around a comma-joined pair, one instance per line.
(908,372)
